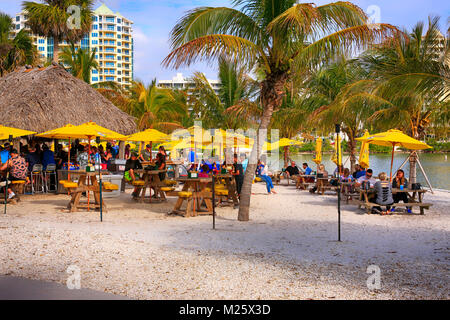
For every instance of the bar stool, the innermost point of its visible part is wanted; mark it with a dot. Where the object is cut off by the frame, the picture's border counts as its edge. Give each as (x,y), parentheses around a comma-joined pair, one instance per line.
(37,179)
(50,172)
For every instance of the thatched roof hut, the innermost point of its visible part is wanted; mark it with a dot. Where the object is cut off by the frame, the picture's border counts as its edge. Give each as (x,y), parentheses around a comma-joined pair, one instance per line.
(42,99)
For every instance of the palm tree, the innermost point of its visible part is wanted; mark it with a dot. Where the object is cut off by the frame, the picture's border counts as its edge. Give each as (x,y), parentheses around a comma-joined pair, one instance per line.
(278,37)
(49,19)
(158,108)
(238,91)
(80,62)
(346,88)
(17,51)
(414,81)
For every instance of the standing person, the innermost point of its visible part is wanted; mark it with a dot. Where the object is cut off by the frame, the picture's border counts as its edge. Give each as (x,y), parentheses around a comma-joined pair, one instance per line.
(61,156)
(161,162)
(127,152)
(384,194)
(238,173)
(48,157)
(265,176)
(114,149)
(399,181)
(146,153)
(83,158)
(18,169)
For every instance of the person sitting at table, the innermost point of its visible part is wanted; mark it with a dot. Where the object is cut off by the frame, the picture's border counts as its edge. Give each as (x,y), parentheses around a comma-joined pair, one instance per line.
(204,170)
(321,173)
(18,170)
(131,165)
(146,154)
(346,177)
(368,177)
(398,181)
(268,180)
(357,170)
(32,158)
(4,153)
(383,194)
(292,171)
(47,157)
(360,173)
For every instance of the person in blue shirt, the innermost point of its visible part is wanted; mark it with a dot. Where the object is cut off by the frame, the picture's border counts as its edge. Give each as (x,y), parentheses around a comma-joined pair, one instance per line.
(360,173)
(115,149)
(307,170)
(48,157)
(32,158)
(244,162)
(4,154)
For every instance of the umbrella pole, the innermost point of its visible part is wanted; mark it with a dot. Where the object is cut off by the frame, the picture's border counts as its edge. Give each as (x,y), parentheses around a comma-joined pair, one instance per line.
(68,164)
(151,152)
(392,161)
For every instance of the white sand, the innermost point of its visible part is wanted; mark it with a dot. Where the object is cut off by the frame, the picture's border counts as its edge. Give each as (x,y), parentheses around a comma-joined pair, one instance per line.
(287,250)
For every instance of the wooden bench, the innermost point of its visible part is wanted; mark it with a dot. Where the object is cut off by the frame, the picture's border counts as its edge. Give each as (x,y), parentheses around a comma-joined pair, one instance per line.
(370,205)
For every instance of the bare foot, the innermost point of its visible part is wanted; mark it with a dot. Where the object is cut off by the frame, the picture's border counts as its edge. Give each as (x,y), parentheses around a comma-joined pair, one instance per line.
(274,192)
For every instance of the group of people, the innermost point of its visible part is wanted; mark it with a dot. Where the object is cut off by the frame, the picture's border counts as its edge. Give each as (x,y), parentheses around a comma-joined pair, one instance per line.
(361,177)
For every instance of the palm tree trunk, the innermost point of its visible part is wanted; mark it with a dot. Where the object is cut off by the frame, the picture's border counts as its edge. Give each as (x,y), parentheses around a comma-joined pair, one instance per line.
(55,50)
(412,168)
(352,147)
(272,92)
(286,156)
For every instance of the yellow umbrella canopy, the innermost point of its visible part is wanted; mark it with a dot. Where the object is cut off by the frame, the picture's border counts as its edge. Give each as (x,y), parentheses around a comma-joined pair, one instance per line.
(364,161)
(5,132)
(394,138)
(149,135)
(318,158)
(59,133)
(337,154)
(91,129)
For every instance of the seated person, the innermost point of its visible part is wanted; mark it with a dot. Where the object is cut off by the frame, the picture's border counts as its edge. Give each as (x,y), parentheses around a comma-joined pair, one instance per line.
(4,153)
(321,173)
(32,158)
(18,169)
(83,158)
(357,170)
(400,180)
(360,173)
(61,156)
(131,165)
(347,178)
(268,180)
(48,157)
(204,170)
(292,170)
(259,168)
(161,162)
(367,177)
(306,169)
(383,194)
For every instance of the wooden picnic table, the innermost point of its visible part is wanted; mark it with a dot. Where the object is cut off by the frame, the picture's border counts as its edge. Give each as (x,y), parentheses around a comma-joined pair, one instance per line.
(197,186)
(301,181)
(231,186)
(87,182)
(415,199)
(151,181)
(323,184)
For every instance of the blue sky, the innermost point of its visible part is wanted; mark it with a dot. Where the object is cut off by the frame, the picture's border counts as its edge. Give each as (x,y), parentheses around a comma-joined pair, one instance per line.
(153,20)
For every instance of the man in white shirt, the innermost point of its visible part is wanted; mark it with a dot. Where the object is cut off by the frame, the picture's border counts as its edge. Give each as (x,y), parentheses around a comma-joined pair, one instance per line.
(367,177)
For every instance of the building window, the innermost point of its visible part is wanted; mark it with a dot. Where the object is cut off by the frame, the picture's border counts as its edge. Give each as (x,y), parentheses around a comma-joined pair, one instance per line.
(41,48)
(94,41)
(41,41)
(17,26)
(119,28)
(94,71)
(94,18)
(95,26)
(109,78)
(94,78)
(119,20)
(94,34)
(18,18)
(110,19)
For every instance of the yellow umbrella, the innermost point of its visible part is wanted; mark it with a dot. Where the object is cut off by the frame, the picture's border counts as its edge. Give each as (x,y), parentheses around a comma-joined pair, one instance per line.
(364,161)
(394,138)
(318,158)
(337,154)
(5,132)
(149,135)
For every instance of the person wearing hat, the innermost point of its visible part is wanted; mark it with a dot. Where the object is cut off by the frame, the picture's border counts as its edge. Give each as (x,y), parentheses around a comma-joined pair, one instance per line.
(131,165)
(146,154)
(18,169)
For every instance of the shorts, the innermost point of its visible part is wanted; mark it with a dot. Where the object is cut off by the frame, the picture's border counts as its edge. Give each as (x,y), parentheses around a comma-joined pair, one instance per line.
(128,177)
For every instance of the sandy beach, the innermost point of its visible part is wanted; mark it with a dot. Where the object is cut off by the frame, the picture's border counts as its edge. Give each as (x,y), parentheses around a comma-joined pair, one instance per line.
(287,251)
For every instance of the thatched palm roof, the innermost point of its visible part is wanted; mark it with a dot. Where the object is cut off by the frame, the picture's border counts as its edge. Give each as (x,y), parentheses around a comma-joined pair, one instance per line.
(43,99)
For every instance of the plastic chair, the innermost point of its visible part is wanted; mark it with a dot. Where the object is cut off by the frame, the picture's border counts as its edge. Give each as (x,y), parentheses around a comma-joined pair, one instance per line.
(50,183)
(37,179)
